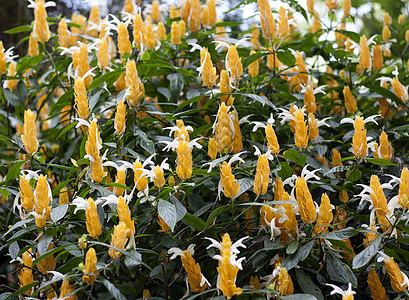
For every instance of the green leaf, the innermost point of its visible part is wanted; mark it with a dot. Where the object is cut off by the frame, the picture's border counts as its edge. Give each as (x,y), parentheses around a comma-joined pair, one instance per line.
(21,93)
(252,58)
(94,99)
(340,234)
(380,162)
(385,93)
(196,222)
(305,250)
(113,289)
(286,57)
(23,28)
(298,297)
(14,171)
(167,211)
(307,285)
(14,249)
(99,81)
(175,84)
(67,128)
(340,271)
(57,213)
(292,247)
(214,214)
(285,170)
(245,184)
(133,260)
(355,175)
(363,257)
(11,97)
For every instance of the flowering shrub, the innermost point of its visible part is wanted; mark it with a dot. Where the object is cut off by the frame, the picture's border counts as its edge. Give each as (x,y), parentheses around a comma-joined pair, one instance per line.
(161,155)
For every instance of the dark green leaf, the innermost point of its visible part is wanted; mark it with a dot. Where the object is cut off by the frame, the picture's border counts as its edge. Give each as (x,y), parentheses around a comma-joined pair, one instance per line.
(23,28)
(11,97)
(307,285)
(286,57)
(14,250)
(175,84)
(167,211)
(340,234)
(380,162)
(196,222)
(57,213)
(113,290)
(363,257)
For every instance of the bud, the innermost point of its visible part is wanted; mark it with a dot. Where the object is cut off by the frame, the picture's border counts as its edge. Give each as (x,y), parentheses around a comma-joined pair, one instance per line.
(104,59)
(82,242)
(395,275)
(174,13)
(332,4)
(63,34)
(93,222)
(161,32)
(384,150)
(386,33)
(237,142)
(90,270)
(234,65)
(225,88)
(159,180)
(41,30)
(27,194)
(184,159)
(301,135)
(124,45)
(359,142)
(262,176)
(347,8)
(133,83)
(350,103)
(141,181)
(377,60)
(313,131)
(67,289)
(309,99)
(155,11)
(32,46)
(63,199)
(223,133)
(175,33)
(387,19)
(42,204)
(325,215)
(212,148)
(401,19)
(211,4)
(364,54)
(81,99)
(205,15)
(283,284)
(3,61)
(305,203)
(208,71)
(29,136)
(336,157)
(93,20)
(400,91)
(26,274)
(120,117)
(379,202)
(11,71)
(229,183)
(404,188)
(272,142)
(254,66)
(377,290)
(268,25)
(194,20)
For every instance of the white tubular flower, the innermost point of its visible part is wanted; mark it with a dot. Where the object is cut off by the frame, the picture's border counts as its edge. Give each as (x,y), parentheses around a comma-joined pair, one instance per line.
(338,290)
(367,120)
(175,252)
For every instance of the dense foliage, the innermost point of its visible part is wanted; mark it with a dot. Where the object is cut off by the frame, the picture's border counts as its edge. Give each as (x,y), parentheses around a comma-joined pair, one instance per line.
(164,156)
